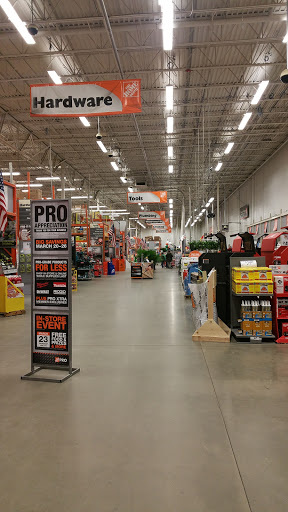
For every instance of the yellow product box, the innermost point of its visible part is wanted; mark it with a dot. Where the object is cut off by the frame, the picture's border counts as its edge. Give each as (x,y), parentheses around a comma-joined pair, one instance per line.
(247,327)
(258,328)
(263,274)
(263,287)
(243,274)
(242,288)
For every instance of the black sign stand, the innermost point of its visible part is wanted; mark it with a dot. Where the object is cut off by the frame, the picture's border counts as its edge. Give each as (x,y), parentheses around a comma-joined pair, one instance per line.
(51,297)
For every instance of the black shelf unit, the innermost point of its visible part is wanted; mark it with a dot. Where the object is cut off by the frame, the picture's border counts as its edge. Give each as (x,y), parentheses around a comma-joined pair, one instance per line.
(236,299)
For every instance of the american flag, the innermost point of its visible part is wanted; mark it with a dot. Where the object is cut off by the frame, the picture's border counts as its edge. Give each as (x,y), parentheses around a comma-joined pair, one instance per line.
(112,233)
(3,206)
(128,239)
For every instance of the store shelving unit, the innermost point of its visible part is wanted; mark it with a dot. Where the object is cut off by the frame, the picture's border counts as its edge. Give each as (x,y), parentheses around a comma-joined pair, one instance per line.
(236,299)
(80,222)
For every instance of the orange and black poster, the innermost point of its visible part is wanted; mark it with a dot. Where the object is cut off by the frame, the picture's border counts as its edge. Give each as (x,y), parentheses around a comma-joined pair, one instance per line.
(51,332)
(51,282)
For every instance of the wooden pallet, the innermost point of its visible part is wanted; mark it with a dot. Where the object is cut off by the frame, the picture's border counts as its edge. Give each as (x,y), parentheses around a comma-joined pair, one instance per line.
(14,313)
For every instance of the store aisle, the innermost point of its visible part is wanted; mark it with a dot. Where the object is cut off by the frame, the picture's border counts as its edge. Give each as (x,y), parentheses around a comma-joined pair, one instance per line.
(153,422)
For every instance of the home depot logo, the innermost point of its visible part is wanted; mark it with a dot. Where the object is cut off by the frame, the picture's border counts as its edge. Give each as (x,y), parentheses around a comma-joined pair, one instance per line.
(61,360)
(131,89)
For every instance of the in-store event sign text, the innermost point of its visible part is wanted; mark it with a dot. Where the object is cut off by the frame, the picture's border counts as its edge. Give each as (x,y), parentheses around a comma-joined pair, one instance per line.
(51,284)
(147,197)
(86,98)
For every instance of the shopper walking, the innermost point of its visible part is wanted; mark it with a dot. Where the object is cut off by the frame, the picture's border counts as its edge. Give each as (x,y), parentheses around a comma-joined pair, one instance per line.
(169,258)
(162,259)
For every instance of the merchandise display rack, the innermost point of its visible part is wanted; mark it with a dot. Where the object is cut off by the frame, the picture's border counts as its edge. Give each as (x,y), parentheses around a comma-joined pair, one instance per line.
(79,215)
(236,300)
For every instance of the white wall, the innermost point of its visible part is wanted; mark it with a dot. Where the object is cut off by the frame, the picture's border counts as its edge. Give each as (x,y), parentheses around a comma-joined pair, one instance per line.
(266,193)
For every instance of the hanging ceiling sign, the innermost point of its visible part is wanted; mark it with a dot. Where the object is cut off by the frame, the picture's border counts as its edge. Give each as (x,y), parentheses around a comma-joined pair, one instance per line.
(86,98)
(146,197)
(151,215)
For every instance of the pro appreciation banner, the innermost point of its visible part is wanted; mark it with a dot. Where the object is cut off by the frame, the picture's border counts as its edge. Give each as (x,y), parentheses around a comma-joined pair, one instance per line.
(86,98)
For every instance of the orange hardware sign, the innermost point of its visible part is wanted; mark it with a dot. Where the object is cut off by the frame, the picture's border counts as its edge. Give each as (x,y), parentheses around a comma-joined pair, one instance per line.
(102,98)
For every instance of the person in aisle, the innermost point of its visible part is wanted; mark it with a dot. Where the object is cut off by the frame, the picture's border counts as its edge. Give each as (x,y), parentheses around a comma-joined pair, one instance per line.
(169,258)
(162,259)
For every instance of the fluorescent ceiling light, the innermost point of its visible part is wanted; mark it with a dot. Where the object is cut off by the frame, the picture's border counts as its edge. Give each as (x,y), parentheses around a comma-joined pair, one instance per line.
(170,200)
(259,93)
(17,22)
(8,173)
(285,40)
(81,197)
(101,146)
(25,190)
(170,124)
(244,121)
(54,76)
(142,207)
(229,147)
(48,178)
(66,189)
(130,189)
(123,179)
(187,222)
(141,224)
(170,151)
(218,166)
(207,205)
(203,211)
(84,121)
(211,200)
(139,204)
(115,166)
(31,185)
(170,169)
(169,97)
(167,24)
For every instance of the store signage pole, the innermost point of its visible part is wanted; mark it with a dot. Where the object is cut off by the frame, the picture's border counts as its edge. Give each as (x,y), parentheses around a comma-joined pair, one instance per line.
(51,294)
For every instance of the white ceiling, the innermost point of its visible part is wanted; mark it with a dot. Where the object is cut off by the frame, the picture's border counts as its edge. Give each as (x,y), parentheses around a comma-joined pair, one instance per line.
(222,50)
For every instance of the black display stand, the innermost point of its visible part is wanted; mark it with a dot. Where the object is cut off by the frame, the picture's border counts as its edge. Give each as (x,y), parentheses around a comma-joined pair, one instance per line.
(236,299)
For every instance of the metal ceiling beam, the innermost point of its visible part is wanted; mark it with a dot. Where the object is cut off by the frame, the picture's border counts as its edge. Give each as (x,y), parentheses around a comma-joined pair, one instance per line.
(146,48)
(157,71)
(46,30)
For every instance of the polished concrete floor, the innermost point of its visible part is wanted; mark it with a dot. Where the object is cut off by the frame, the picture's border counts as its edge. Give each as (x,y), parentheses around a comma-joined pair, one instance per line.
(153,423)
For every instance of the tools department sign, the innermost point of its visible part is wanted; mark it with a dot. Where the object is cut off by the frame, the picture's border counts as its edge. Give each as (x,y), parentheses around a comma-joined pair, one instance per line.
(147,197)
(51,284)
(86,98)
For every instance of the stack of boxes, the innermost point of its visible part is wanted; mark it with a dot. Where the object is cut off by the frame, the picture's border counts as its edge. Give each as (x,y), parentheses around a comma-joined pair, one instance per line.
(252,281)
(256,318)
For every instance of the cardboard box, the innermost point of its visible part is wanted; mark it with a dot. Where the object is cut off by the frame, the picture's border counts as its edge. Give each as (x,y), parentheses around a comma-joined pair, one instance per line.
(262,274)
(246,315)
(258,315)
(247,327)
(242,287)
(267,327)
(267,315)
(245,274)
(263,287)
(258,328)
(35,193)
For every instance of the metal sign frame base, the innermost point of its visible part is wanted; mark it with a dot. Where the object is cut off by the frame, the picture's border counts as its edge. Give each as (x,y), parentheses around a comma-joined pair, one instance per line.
(30,375)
